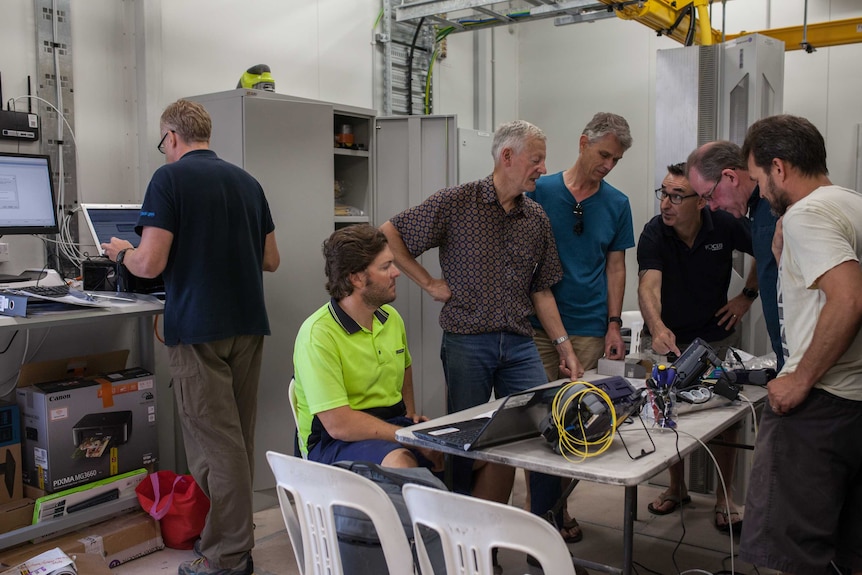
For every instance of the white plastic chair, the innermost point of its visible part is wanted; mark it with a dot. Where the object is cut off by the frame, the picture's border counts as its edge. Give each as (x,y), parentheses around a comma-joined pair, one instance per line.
(634,321)
(470,528)
(291,397)
(315,489)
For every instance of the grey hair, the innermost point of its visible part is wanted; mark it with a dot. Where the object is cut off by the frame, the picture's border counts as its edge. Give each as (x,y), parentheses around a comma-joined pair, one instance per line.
(514,135)
(605,123)
(713,158)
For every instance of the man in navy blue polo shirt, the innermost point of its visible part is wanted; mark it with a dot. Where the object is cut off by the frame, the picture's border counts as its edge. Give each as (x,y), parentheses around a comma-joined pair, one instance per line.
(685,260)
(200,216)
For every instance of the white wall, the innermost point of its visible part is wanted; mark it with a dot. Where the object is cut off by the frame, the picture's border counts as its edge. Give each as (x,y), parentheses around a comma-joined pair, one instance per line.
(133,57)
(563,75)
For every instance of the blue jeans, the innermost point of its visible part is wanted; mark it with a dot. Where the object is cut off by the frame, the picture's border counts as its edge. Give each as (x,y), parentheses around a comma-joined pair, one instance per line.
(476,364)
(505,363)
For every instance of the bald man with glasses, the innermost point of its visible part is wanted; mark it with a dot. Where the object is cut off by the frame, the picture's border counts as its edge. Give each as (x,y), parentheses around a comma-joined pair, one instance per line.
(718,172)
(685,260)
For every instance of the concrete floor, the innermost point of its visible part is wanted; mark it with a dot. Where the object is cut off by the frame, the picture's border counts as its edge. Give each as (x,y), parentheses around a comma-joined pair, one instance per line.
(666,545)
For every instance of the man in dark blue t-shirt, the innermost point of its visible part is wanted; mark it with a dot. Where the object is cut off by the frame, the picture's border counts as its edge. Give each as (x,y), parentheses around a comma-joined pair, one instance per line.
(718,172)
(685,260)
(201,216)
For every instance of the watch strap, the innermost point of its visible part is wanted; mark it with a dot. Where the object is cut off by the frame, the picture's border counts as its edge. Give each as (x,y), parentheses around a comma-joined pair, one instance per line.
(615,319)
(121,255)
(560,339)
(750,293)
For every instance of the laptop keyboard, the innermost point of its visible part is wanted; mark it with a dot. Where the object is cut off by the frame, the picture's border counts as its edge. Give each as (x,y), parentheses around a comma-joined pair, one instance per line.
(47,291)
(463,437)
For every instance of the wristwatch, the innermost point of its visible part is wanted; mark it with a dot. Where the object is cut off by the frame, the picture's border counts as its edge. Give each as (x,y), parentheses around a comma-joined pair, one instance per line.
(121,255)
(615,319)
(750,293)
(560,339)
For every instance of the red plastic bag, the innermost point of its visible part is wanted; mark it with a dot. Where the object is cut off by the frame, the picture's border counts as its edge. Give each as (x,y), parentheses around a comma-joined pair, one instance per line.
(177,503)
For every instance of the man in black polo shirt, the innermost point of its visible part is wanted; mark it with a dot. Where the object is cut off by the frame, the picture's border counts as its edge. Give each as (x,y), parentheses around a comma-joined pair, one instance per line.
(685,258)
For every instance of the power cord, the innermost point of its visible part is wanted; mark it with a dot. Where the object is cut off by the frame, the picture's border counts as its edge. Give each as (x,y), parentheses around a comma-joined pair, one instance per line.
(726,498)
(753,412)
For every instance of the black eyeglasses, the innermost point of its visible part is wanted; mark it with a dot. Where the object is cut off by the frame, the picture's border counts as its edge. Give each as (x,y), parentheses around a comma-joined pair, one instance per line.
(708,196)
(675,199)
(578,212)
(161,146)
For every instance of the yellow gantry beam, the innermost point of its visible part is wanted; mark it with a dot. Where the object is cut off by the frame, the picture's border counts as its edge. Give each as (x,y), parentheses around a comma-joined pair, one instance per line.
(661,14)
(819,35)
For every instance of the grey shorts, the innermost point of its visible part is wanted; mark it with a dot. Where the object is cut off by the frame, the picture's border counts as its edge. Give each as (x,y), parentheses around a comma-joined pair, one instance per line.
(804,502)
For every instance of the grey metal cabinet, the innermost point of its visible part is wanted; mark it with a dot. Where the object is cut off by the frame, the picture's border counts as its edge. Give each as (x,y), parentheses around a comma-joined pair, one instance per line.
(415,157)
(287,145)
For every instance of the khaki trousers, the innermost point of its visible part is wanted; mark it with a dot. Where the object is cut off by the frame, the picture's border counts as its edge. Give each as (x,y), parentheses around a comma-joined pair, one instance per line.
(215,385)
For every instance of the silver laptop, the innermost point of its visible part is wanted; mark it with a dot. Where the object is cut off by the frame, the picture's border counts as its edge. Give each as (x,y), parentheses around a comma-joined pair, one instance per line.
(108,221)
(521,415)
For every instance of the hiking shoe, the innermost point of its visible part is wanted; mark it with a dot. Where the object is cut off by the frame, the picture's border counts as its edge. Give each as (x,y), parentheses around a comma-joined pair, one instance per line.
(201,566)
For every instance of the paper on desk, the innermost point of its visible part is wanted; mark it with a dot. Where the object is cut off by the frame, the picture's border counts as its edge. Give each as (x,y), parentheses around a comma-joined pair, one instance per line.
(488,414)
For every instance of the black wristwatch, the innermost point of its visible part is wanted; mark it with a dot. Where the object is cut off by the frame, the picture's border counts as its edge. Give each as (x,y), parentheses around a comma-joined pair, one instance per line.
(750,293)
(121,255)
(615,319)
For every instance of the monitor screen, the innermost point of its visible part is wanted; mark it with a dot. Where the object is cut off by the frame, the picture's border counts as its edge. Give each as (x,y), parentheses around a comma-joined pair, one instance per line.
(26,195)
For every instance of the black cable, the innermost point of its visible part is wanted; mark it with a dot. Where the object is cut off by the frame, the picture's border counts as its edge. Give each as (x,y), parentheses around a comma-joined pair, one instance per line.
(410,67)
(645,568)
(8,345)
(689,36)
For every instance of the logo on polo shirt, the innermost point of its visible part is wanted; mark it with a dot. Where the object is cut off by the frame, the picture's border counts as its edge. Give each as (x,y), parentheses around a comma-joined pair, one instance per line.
(713,247)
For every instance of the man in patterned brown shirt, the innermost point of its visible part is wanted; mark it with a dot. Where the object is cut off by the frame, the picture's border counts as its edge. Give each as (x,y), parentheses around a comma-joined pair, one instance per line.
(499,261)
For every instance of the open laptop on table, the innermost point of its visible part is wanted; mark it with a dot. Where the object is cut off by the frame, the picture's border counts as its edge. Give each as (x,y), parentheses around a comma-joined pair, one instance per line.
(112,220)
(107,221)
(521,415)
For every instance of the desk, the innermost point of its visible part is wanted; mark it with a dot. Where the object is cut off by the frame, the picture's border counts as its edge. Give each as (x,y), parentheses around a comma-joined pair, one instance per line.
(142,310)
(614,466)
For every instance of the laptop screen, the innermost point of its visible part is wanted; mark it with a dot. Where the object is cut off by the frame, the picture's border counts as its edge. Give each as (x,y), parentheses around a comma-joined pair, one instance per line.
(112,220)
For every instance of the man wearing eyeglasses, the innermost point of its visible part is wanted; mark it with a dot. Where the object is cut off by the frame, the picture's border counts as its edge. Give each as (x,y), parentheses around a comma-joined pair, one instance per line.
(685,260)
(200,217)
(718,172)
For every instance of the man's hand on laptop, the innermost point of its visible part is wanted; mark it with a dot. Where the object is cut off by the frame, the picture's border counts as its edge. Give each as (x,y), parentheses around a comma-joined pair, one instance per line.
(114,247)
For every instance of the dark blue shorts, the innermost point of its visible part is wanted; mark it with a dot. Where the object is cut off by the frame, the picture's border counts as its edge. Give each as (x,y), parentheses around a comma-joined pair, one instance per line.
(373,450)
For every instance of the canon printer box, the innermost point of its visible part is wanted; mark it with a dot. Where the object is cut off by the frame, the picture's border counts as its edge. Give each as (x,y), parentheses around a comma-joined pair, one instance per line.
(85,429)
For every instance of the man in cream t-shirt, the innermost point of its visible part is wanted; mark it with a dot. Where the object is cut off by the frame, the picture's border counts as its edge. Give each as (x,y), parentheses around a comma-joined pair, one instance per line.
(804,503)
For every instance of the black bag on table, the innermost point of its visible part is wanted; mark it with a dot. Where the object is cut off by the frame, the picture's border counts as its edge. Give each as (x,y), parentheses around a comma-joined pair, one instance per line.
(358,543)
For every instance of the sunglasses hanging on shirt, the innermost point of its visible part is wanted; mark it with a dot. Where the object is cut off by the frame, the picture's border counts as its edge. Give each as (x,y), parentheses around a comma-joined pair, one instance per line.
(578,212)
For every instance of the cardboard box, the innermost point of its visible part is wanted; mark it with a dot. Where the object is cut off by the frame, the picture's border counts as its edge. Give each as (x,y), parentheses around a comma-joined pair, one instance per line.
(62,503)
(11,487)
(113,542)
(84,429)
(629,368)
(16,514)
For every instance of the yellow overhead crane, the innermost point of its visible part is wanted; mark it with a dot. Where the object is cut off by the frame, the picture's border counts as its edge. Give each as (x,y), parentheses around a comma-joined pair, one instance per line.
(814,36)
(661,15)
(685,21)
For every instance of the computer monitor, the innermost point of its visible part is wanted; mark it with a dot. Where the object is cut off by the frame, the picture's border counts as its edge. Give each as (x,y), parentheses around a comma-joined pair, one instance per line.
(27,203)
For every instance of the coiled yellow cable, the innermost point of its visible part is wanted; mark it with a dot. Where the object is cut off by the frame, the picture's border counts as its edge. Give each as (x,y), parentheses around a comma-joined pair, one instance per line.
(572,444)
